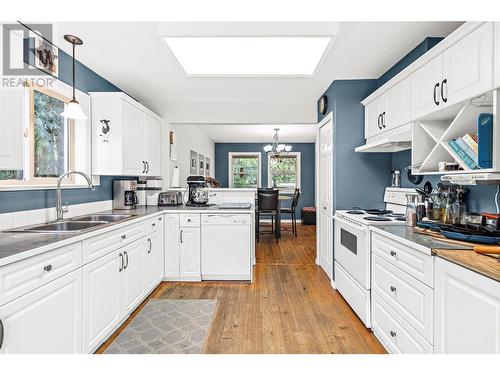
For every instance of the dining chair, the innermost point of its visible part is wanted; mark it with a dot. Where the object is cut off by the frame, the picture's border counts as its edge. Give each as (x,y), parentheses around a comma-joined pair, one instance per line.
(268,205)
(292,210)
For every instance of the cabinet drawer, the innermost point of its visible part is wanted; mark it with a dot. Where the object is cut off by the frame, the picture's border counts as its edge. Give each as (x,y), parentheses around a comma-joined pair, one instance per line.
(153,224)
(21,277)
(407,296)
(395,333)
(96,247)
(190,220)
(413,262)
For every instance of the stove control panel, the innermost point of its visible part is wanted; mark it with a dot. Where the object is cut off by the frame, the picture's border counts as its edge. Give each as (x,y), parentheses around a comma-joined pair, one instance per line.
(397,195)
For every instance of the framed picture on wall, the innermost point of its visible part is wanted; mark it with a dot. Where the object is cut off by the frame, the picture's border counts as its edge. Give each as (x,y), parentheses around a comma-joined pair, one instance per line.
(173,146)
(193,164)
(202,164)
(46,57)
(207,166)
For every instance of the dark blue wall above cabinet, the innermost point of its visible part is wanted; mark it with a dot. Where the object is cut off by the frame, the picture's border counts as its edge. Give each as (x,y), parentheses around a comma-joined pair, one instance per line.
(307,163)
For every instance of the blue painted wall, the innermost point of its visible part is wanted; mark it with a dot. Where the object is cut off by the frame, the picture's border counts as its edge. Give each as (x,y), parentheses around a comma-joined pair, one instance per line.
(307,170)
(87,81)
(358,178)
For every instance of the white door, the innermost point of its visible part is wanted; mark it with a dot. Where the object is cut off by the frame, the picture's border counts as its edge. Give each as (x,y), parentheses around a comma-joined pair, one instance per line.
(153,262)
(325,197)
(373,118)
(134,162)
(397,105)
(152,146)
(468,66)
(189,254)
(466,311)
(101,299)
(132,282)
(12,118)
(172,242)
(425,88)
(496,49)
(47,320)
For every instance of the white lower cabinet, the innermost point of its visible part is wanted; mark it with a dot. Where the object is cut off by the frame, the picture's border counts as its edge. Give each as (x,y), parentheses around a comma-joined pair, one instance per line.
(46,320)
(467,311)
(153,272)
(189,254)
(182,247)
(132,274)
(102,309)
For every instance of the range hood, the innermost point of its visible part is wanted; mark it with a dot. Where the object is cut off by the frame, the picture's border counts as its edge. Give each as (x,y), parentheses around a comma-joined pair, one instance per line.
(478,178)
(395,140)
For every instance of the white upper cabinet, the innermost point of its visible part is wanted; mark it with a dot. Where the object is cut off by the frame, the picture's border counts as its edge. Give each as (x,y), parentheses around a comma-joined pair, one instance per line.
(425,86)
(466,311)
(496,50)
(373,117)
(396,109)
(126,137)
(12,120)
(468,66)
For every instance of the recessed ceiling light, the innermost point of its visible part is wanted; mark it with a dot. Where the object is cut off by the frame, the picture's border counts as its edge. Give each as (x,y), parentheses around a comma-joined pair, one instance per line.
(249,56)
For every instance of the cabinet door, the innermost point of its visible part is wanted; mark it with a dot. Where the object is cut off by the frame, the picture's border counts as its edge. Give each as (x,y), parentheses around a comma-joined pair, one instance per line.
(496,49)
(373,122)
(424,92)
(172,236)
(132,282)
(152,147)
(133,141)
(12,115)
(154,261)
(101,299)
(47,320)
(468,66)
(466,311)
(397,105)
(189,258)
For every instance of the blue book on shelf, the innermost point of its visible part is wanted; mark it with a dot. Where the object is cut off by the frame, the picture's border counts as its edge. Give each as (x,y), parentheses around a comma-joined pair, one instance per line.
(462,155)
(468,150)
(485,140)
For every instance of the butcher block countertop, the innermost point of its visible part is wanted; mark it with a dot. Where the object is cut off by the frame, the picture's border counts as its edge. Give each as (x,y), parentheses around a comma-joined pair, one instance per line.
(484,264)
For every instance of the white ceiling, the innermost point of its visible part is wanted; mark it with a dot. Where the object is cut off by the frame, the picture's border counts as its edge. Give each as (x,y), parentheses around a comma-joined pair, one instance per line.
(131,55)
(259,133)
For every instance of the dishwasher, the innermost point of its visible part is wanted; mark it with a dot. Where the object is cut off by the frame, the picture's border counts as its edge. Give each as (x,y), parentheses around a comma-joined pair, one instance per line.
(226,247)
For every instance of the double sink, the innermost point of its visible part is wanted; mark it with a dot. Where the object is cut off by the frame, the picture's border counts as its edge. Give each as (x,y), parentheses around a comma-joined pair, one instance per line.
(75,225)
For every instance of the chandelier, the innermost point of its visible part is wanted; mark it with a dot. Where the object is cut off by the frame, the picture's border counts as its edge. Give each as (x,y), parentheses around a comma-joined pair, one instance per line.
(277,148)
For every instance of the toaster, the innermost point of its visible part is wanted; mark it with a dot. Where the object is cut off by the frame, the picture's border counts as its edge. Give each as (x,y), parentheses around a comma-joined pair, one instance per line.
(170,198)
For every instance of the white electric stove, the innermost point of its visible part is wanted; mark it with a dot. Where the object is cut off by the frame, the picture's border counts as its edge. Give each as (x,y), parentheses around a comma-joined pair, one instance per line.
(352,247)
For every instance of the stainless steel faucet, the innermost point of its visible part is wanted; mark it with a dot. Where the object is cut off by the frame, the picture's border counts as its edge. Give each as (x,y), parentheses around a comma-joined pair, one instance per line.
(59,208)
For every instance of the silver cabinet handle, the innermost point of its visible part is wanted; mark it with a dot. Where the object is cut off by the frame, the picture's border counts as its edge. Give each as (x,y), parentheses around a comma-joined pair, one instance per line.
(181,235)
(143,166)
(150,245)
(154,224)
(48,268)
(121,263)
(393,334)
(393,253)
(189,220)
(1,333)
(159,219)
(123,236)
(393,288)
(126,258)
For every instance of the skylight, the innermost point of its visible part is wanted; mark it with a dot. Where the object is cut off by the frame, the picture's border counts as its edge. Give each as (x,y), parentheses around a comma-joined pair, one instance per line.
(249,56)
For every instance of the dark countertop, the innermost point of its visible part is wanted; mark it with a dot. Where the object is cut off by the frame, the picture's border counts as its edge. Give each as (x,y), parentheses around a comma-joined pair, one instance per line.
(15,246)
(461,254)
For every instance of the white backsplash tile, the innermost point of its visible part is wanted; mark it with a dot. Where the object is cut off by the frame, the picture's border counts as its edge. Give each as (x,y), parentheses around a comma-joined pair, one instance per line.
(6,221)
(21,219)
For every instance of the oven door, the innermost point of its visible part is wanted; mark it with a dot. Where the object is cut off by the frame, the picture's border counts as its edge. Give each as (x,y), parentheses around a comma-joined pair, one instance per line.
(352,249)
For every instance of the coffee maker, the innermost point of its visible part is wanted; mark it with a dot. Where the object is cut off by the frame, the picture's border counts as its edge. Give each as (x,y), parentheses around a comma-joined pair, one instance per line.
(198,192)
(124,194)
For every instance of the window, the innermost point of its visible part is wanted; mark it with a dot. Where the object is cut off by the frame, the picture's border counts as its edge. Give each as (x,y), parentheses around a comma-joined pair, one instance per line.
(244,170)
(48,140)
(284,171)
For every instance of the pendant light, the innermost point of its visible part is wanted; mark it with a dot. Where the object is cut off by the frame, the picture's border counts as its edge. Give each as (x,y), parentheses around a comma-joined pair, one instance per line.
(73,109)
(276,148)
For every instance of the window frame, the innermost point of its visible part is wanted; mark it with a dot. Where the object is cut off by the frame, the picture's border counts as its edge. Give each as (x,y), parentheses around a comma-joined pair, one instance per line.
(231,155)
(295,154)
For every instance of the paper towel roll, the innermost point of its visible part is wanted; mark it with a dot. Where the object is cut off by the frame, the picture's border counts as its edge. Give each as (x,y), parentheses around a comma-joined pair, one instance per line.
(174,182)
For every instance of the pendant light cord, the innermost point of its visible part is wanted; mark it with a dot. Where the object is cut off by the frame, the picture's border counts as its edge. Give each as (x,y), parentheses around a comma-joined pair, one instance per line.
(74,71)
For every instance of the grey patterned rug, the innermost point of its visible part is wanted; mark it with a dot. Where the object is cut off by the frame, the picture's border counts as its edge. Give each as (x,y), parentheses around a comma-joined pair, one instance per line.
(166,326)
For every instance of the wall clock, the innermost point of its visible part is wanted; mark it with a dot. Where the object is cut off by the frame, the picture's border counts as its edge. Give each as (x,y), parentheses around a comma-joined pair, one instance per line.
(323,104)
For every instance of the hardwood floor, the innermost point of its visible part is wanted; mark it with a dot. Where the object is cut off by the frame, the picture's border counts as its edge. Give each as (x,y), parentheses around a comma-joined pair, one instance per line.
(289,308)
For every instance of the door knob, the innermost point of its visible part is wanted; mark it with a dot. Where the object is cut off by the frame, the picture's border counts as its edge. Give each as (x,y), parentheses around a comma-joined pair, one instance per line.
(48,268)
